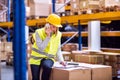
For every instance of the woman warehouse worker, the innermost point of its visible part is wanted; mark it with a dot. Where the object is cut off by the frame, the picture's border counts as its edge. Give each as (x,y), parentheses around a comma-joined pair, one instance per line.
(46,47)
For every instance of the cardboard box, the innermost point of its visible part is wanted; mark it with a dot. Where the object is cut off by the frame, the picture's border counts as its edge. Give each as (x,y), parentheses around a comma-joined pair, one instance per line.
(112,57)
(3,55)
(94,6)
(67,56)
(99,72)
(40,9)
(71,74)
(8,47)
(102,73)
(9,58)
(85,52)
(77,53)
(94,2)
(113,64)
(2,47)
(70,47)
(92,59)
(115,67)
(114,72)
(74,5)
(83,4)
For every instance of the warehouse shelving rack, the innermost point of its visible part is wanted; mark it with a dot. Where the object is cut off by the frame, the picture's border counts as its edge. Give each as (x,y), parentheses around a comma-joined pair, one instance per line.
(71,19)
(103,16)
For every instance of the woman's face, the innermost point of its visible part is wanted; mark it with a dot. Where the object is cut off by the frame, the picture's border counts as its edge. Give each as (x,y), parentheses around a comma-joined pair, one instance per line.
(53,28)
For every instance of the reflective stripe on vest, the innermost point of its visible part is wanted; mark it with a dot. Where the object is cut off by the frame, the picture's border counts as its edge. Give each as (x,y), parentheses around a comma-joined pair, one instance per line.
(43,53)
(36,58)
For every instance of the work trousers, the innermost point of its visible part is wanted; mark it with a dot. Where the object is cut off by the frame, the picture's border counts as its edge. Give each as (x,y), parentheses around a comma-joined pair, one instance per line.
(46,65)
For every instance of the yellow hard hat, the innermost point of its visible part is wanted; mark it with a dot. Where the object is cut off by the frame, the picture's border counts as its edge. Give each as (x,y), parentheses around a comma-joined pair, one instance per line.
(54,20)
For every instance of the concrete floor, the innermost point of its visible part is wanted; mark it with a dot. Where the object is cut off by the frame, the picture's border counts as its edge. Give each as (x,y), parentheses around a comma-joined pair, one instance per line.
(8,74)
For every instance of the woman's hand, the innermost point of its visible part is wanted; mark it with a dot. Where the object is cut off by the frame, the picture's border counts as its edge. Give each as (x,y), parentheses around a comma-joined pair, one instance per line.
(63,63)
(48,31)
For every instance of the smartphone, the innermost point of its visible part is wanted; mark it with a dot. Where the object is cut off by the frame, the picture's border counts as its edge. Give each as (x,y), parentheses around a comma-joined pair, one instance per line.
(47,25)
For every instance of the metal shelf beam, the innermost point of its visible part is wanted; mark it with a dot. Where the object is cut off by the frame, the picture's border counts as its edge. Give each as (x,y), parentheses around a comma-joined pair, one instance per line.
(85,34)
(105,16)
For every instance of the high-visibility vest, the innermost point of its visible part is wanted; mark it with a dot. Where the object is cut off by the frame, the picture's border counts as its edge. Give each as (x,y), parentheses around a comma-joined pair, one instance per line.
(50,50)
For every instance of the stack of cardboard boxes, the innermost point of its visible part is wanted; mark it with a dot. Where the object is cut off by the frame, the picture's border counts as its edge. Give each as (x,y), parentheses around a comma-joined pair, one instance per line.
(75,7)
(6,51)
(67,49)
(81,72)
(81,56)
(93,57)
(113,59)
(9,53)
(2,55)
(93,6)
